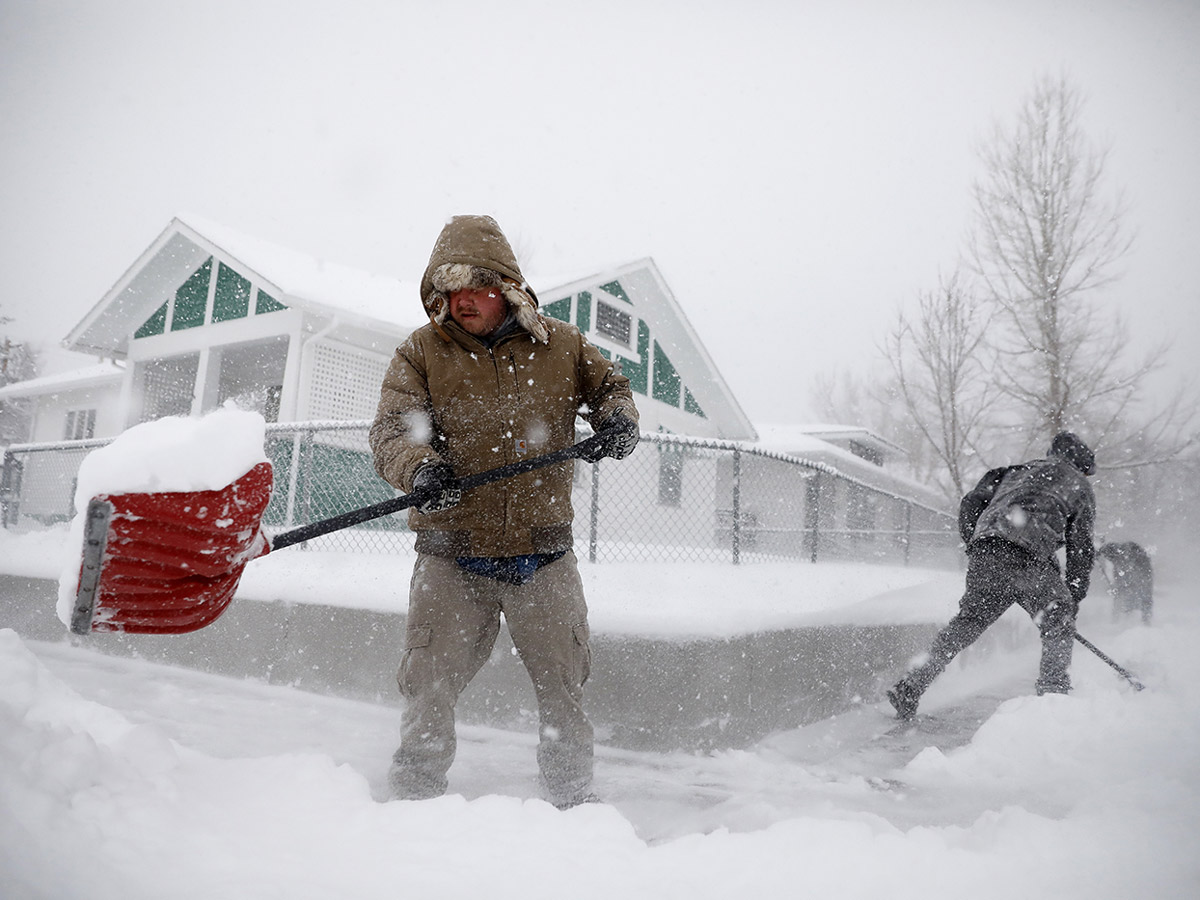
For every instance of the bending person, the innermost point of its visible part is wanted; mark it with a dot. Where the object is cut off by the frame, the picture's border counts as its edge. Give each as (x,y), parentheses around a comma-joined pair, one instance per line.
(1013,522)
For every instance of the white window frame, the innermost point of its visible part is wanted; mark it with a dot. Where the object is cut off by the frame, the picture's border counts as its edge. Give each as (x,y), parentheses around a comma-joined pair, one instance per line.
(80,424)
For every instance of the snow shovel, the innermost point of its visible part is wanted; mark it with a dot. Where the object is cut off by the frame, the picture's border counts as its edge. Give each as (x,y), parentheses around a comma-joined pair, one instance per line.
(1121,670)
(170,562)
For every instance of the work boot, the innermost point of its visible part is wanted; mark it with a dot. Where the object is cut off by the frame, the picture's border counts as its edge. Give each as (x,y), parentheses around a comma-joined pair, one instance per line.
(406,781)
(903,699)
(577,800)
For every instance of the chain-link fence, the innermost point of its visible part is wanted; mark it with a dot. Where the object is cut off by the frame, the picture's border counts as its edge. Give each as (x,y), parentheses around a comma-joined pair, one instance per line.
(674,499)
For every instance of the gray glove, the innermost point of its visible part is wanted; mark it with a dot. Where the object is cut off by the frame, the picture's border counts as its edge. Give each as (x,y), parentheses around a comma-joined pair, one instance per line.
(618,436)
(438,479)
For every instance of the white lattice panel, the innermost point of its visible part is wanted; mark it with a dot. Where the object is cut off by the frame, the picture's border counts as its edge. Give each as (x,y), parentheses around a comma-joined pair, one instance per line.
(345,383)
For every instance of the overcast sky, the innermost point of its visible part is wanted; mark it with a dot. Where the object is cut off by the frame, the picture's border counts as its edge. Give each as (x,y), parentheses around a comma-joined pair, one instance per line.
(797,169)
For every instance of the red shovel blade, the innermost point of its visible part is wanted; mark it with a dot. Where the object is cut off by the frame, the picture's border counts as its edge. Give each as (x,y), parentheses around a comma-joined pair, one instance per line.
(169,562)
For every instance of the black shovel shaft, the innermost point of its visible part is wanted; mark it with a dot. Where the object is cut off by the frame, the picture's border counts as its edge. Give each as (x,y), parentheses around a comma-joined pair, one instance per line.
(1123,671)
(416,498)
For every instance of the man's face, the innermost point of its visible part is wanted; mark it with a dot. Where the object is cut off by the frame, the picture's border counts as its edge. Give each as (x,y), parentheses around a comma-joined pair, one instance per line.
(478,310)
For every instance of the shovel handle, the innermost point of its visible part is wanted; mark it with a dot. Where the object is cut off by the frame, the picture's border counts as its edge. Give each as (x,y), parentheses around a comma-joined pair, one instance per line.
(1120,670)
(367,513)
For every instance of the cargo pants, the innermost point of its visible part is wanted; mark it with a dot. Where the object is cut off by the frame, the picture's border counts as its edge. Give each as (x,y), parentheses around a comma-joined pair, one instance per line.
(453,621)
(1000,574)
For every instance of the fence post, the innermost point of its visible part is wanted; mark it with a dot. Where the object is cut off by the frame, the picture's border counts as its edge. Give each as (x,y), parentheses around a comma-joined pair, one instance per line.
(10,489)
(812,514)
(594,515)
(302,478)
(736,530)
(289,514)
(907,532)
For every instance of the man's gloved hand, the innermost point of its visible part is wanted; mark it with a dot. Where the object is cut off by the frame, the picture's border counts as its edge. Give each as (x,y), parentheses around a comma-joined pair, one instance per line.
(618,436)
(437,477)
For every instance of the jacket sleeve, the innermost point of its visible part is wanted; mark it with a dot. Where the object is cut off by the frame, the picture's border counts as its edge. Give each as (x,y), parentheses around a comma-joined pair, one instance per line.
(603,389)
(1080,549)
(403,434)
(976,500)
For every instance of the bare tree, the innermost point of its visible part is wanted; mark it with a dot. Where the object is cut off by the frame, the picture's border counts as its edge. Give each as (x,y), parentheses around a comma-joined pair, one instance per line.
(938,357)
(1046,240)
(839,396)
(873,400)
(17,363)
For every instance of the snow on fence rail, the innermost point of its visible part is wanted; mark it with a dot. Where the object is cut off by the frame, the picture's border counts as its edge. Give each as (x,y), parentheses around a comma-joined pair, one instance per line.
(675,499)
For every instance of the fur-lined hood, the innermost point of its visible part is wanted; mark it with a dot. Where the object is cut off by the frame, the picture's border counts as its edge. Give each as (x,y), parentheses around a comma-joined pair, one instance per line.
(473,252)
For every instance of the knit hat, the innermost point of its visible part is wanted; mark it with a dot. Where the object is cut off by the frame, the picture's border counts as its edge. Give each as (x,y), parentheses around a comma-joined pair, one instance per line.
(1069,447)
(472,252)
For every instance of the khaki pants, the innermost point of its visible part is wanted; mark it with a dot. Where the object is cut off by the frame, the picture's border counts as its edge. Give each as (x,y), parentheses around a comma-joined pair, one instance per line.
(453,620)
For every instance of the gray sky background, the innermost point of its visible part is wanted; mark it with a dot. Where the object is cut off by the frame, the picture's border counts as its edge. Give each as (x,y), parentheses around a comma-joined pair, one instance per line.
(797,170)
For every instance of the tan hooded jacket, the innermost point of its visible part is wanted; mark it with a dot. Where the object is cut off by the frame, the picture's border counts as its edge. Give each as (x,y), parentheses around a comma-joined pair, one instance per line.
(448,396)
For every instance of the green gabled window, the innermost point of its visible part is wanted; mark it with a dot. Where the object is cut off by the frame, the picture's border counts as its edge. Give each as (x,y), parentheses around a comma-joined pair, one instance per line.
(559,309)
(666,379)
(638,373)
(583,312)
(691,406)
(232,297)
(265,303)
(614,288)
(191,299)
(156,324)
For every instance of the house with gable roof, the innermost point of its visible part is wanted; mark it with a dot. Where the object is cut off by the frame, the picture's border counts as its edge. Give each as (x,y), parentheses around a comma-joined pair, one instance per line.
(207,315)
(632,316)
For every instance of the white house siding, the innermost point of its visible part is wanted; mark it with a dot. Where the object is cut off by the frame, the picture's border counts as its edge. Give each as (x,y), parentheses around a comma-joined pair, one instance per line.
(51,413)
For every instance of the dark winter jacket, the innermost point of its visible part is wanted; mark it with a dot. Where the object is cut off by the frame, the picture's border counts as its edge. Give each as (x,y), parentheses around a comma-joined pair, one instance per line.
(476,404)
(1040,506)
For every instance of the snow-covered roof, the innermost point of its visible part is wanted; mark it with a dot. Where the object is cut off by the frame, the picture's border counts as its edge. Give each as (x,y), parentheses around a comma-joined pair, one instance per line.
(91,376)
(297,280)
(317,282)
(792,438)
(815,442)
(855,433)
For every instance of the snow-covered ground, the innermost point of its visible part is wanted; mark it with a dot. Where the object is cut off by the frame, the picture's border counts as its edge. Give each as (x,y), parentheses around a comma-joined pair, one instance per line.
(123,779)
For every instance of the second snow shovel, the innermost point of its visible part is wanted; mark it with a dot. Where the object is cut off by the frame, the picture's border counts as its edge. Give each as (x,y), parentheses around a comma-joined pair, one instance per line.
(170,562)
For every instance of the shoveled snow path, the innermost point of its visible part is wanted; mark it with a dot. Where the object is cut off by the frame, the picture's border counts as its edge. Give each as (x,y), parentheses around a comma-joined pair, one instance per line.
(829,768)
